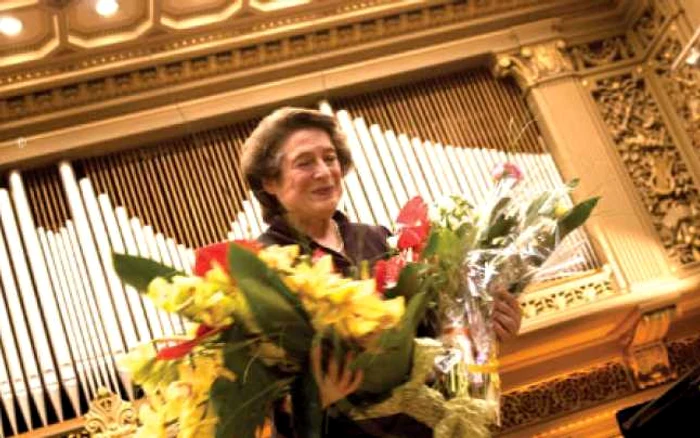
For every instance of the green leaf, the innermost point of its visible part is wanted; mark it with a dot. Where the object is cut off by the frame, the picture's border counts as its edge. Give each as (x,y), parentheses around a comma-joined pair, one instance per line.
(396,348)
(306,407)
(139,271)
(500,228)
(242,405)
(573,183)
(576,216)
(277,318)
(532,212)
(244,264)
(407,285)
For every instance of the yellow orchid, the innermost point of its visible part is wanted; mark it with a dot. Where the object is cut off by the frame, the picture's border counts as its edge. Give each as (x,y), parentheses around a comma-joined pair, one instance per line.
(280,257)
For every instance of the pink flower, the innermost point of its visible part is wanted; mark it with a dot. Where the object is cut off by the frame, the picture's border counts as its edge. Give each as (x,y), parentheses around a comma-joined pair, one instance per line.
(507,170)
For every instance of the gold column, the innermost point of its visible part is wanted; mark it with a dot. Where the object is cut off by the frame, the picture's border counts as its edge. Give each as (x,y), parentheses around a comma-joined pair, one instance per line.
(582,148)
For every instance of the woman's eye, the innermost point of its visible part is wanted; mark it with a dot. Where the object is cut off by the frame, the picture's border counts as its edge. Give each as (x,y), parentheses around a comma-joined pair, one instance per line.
(331,159)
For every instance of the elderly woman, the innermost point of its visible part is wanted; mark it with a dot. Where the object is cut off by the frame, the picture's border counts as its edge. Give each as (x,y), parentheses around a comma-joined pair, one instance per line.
(295,161)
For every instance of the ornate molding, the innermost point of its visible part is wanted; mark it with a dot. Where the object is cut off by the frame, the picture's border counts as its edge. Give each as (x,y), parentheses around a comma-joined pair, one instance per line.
(651,21)
(234,57)
(571,293)
(110,417)
(535,64)
(646,352)
(602,53)
(588,387)
(682,86)
(561,395)
(653,162)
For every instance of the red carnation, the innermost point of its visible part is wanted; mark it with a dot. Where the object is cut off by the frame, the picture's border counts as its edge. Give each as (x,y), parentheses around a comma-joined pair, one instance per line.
(414,225)
(217,254)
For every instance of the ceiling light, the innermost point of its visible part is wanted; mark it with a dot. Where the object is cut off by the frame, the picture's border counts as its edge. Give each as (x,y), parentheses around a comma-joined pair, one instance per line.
(10,26)
(106,8)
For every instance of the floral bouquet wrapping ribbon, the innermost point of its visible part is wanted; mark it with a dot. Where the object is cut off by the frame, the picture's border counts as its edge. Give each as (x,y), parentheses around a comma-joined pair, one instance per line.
(255,314)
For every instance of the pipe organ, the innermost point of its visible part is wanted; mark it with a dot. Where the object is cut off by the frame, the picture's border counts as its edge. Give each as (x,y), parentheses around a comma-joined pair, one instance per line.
(65,317)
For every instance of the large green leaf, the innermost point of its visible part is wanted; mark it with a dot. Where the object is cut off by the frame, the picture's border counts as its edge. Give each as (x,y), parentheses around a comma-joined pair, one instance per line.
(243,404)
(139,271)
(396,349)
(244,264)
(306,407)
(277,319)
(576,216)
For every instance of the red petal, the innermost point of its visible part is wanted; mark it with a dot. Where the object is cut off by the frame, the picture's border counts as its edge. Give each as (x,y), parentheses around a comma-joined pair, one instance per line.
(415,212)
(380,275)
(387,272)
(217,254)
(182,349)
(414,225)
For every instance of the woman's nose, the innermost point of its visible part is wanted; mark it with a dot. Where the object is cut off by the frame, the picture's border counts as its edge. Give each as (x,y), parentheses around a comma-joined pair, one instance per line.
(321,169)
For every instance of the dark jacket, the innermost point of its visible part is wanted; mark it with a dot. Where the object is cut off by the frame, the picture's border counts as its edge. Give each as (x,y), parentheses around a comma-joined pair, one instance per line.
(361,242)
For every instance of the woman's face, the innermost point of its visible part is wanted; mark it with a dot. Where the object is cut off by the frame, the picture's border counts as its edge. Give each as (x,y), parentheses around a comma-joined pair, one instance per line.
(309,185)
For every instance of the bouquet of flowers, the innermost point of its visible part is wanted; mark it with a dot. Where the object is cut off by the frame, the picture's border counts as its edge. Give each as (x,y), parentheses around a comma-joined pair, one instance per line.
(255,314)
(465,254)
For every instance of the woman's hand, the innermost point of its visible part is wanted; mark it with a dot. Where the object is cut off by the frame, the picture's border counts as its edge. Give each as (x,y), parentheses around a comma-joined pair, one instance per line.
(507,316)
(338,381)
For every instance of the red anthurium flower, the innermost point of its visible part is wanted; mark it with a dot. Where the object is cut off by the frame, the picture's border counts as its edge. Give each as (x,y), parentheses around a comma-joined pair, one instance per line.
(217,253)
(505,170)
(414,225)
(386,272)
(180,350)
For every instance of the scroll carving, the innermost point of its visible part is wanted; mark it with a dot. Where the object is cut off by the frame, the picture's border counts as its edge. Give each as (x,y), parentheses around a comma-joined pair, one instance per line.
(653,162)
(535,64)
(110,417)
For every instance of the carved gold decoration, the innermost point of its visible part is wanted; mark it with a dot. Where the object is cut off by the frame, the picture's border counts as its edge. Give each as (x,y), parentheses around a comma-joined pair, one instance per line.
(535,64)
(587,387)
(646,352)
(682,87)
(561,395)
(684,354)
(568,294)
(110,417)
(651,21)
(602,52)
(653,162)
(218,60)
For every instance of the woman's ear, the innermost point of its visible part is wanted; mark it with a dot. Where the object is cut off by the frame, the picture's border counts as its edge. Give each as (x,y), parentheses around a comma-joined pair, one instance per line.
(270,185)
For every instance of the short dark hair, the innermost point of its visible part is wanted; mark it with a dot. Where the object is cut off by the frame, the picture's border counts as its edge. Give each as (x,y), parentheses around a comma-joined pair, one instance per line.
(261,158)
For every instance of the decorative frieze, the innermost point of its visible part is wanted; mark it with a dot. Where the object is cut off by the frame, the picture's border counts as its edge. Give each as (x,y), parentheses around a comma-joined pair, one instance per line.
(568,295)
(592,386)
(561,395)
(651,22)
(220,61)
(653,162)
(602,53)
